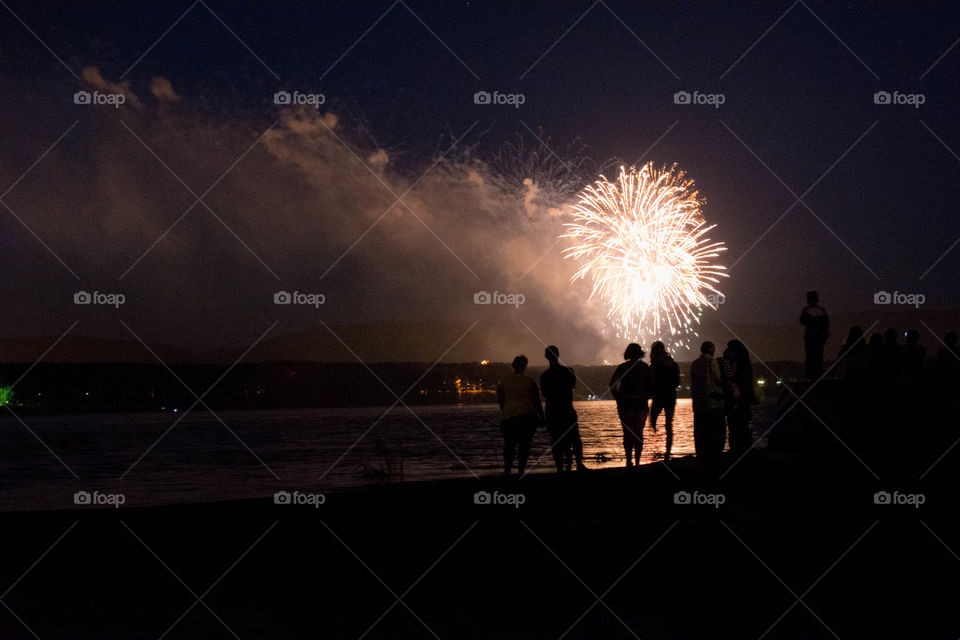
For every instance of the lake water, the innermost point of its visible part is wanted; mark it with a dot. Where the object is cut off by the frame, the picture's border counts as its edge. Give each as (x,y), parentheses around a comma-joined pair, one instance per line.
(309,450)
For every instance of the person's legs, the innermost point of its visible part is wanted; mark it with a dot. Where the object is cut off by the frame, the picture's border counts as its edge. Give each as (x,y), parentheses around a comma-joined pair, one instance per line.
(814,359)
(508,428)
(576,443)
(639,421)
(668,410)
(524,438)
(706,426)
(699,446)
(655,409)
(629,436)
(739,426)
(723,430)
(570,444)
(556,445)
(632,423)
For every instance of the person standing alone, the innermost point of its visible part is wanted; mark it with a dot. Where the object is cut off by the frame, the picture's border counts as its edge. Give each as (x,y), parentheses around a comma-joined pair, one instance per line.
(520,413)
(814,318)
(556,385)
(706,392)
(630,386)
(664,380)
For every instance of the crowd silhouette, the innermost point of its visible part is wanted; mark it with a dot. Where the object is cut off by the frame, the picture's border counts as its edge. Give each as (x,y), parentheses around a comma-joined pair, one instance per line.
(877,391)
(722,389)
(874,389)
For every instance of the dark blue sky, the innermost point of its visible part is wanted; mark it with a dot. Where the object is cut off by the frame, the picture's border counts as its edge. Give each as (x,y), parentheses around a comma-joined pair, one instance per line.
(798,83)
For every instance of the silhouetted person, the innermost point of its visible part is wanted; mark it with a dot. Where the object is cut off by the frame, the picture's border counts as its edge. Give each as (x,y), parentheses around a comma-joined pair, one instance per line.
(913,356)
(520,413)
(853,358)
(738,394)
(664,380)
(948,383)
(915,409)
(873,393)
(556,385)
(948,359)
(814,318)
(892,356)
(875,354)
(630,388)
(890,387)
(706,393)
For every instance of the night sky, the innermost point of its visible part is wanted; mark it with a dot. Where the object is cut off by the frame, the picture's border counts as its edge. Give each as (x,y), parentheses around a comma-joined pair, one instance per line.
(305,199)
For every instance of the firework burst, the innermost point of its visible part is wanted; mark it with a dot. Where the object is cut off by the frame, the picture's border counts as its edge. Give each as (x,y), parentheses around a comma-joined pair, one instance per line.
(642,240)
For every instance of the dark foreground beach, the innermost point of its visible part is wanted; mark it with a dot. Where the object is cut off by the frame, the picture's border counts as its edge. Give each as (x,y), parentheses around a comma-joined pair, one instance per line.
(783,546)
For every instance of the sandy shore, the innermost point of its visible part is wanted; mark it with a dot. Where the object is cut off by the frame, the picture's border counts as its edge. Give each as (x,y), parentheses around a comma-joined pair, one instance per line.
(729,563)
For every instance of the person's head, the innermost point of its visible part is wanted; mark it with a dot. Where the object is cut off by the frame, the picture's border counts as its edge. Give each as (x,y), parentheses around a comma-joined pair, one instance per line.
(552,354)
(730,354)
(740,349)
(707,349)
(633,352)
(658,351)
(520,364)
(950,339)
(890,336)
(812,298)
(854,336)
(913,336)
(876,339)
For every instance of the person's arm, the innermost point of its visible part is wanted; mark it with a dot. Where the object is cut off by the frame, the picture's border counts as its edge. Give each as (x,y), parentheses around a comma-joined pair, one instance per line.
(615,383)
(715,385)
(536,400)
(500,394)
(803,317)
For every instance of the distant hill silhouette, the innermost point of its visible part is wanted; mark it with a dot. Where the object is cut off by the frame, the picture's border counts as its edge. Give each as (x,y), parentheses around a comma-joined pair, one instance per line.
(495,341)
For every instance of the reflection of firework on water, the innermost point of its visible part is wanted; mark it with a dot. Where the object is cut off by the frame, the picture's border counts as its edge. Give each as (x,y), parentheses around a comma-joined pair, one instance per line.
(642,241)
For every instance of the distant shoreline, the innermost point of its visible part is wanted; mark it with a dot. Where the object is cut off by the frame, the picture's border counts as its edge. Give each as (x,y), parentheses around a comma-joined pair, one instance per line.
(111,387)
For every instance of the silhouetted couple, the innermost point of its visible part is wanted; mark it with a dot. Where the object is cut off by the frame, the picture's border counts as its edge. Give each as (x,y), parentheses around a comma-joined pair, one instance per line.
(723,395)
(521,412)
(633,385)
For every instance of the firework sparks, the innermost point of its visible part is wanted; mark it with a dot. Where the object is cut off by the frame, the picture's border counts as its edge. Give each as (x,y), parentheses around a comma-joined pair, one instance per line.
(642,240)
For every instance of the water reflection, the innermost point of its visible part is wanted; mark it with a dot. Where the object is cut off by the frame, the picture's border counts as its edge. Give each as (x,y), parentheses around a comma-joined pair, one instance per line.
(263,451)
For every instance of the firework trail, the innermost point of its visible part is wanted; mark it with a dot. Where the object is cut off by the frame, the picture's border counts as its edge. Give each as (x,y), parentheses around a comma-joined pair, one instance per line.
(642,240)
